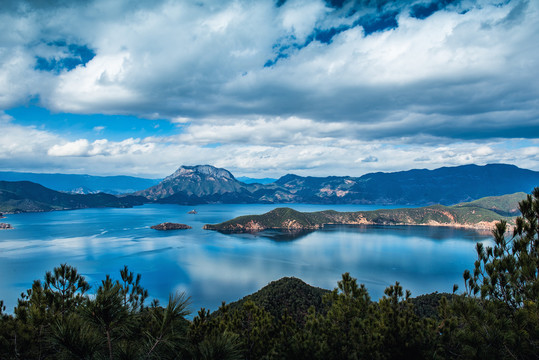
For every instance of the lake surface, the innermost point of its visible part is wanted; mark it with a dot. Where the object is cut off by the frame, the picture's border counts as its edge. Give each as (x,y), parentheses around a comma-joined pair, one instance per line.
(212,267)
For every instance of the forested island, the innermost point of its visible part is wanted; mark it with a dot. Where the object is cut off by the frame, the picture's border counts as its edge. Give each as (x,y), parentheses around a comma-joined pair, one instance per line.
(496,316)
(480,214)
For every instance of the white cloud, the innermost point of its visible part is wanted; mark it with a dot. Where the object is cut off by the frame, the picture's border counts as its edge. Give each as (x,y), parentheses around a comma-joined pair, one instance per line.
(76,148)
(444,90)
(260,131)
(83,147)
(298,18)
(182,60)
(100,82)
(22,141)
(483,151)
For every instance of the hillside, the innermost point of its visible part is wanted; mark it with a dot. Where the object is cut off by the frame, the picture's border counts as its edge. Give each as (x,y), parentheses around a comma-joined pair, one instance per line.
(477,215)
(25,196)
(506,205)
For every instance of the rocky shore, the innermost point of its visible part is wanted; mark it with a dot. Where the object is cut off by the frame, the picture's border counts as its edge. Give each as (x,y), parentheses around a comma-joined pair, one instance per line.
(171,226)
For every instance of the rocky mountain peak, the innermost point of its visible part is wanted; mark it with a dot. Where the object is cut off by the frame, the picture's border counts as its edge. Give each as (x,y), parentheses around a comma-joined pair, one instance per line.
(207,170)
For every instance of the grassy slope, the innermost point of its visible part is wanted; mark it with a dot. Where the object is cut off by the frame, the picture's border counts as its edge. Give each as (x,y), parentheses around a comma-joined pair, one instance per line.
(506,205)
(475,214)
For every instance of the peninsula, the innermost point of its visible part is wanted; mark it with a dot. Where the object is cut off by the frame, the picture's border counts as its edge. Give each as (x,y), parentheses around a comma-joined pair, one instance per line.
(481,214)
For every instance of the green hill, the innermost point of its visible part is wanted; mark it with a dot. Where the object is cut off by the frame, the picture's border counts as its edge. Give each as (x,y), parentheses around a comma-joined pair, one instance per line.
(288,295)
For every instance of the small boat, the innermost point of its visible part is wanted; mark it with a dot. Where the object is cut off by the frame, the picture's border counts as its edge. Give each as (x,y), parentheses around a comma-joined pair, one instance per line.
(192,212)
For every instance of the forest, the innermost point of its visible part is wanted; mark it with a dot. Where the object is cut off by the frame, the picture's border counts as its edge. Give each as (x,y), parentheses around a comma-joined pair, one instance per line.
(494,315)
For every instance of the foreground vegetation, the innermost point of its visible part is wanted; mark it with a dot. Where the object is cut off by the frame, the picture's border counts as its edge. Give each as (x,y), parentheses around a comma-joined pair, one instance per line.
(496,317)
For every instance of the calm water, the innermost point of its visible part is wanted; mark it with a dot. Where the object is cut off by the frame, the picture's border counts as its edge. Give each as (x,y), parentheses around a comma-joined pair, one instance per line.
(213,267)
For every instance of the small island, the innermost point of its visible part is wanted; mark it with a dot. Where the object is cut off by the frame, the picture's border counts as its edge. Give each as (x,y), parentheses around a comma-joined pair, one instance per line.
(171,226)
(192,212)
(4,226)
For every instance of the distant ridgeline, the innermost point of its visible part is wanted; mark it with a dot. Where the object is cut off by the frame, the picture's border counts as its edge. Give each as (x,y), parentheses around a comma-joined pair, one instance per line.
(82,184)
(205,184)
(26,196)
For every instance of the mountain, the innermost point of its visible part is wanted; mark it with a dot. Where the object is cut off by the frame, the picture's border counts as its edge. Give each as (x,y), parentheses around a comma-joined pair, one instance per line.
(200,184)
(479,215)
(447,186)
(82,184)
(25,196)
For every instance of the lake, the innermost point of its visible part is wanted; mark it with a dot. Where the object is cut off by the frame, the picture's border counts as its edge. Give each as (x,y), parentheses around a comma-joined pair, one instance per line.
(212,267)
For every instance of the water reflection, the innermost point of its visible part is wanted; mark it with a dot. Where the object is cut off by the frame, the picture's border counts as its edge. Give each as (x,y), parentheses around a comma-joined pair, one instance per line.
(279,235)
(431,232)
(212,267)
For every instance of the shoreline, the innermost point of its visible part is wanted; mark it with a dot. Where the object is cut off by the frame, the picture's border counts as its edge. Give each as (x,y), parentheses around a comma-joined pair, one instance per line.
(477,227)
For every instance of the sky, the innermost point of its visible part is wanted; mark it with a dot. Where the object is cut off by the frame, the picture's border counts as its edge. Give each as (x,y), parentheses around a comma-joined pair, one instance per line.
(269,87)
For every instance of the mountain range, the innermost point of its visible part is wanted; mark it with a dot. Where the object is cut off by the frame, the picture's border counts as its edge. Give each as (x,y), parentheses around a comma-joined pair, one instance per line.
(203,184)
(447,186)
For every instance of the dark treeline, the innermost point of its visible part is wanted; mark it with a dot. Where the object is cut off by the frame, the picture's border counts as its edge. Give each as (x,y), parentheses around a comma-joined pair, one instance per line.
(495,317)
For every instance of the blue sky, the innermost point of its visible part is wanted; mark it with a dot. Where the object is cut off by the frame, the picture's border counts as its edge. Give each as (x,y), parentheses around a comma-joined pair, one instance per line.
(265,88)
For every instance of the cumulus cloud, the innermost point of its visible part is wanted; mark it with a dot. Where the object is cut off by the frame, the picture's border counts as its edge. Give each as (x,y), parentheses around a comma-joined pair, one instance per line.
(22,141)
(83,147)
(186,60)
